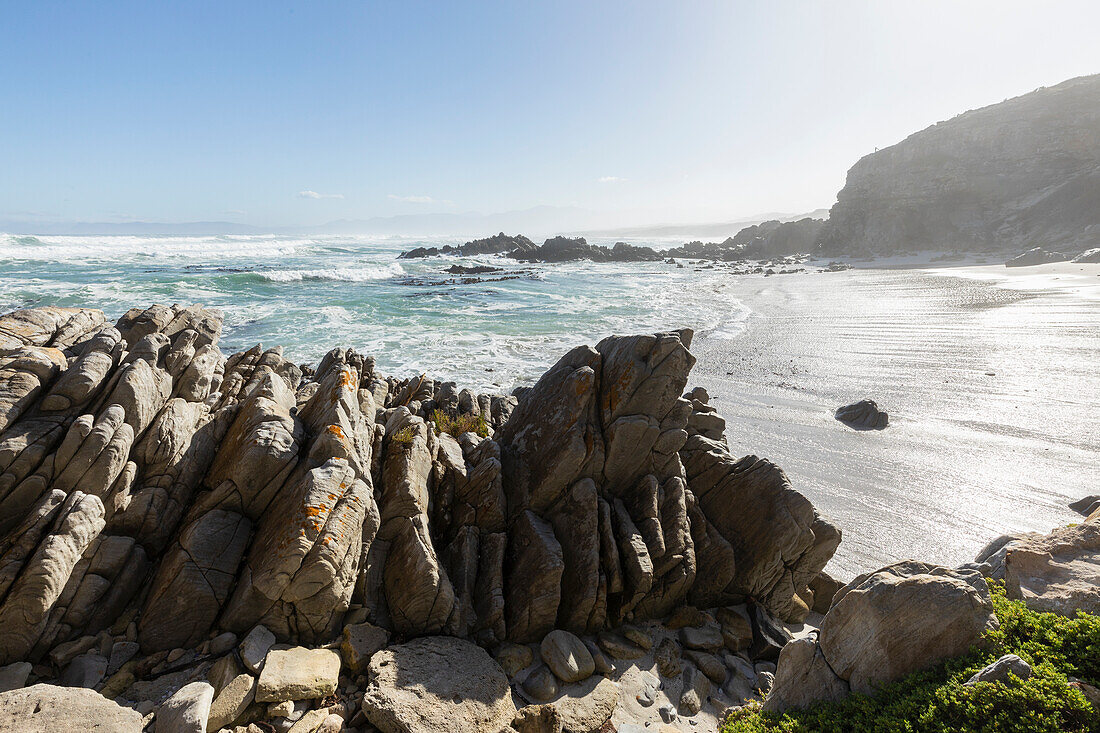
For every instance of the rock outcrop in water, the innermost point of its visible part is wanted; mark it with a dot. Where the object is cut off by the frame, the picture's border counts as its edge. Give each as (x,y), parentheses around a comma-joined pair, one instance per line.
(160,503)
(1021,174)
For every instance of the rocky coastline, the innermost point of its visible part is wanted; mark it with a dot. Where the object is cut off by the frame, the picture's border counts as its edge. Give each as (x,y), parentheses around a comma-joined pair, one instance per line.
(194,541)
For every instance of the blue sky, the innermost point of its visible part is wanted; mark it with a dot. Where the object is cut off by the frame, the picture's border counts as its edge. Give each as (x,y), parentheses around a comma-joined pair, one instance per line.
(278,114)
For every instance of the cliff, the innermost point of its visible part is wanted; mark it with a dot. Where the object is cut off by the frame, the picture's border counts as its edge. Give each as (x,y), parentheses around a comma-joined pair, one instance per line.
(1004,178)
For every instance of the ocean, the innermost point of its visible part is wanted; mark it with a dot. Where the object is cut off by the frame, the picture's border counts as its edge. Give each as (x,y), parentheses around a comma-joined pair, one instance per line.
(489,332)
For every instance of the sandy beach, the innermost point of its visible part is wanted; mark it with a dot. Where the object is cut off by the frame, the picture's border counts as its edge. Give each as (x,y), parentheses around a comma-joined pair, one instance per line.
(988,373)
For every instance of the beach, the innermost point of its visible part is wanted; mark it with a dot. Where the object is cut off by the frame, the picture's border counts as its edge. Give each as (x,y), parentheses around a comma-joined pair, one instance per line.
(988,374)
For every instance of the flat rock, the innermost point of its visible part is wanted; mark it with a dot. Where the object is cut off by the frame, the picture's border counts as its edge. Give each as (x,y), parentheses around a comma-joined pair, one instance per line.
(51,709)
(437,684)
(298,673)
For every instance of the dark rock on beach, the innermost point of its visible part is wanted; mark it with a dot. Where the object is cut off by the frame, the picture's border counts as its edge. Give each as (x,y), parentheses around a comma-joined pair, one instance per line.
(863,415)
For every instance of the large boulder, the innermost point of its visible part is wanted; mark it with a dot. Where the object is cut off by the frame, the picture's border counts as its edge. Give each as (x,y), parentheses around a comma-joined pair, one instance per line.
(1058,572)
(437,684)
(50,709)
(882,626)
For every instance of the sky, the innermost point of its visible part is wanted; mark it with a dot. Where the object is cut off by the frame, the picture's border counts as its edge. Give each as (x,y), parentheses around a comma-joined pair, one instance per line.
(293,114)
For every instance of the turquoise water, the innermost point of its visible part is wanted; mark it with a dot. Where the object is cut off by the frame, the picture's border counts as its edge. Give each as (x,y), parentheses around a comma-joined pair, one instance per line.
(313,293)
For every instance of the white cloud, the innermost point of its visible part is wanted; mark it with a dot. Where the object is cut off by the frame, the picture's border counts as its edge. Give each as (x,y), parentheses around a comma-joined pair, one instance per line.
(315,195)
(610,179)
(412,199)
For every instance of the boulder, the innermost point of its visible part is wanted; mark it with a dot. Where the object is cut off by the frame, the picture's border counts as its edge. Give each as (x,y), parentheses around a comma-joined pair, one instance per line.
(537,719)
(50,709)
(298,673)
(999,671)
(231,701)
(437,684)
(863,415)
(187,710)
(255,646)
(585,707)
(1058,572)
(567,656)
(1036,256)
(14,676)
(803,678)
(882,626)
(360,642)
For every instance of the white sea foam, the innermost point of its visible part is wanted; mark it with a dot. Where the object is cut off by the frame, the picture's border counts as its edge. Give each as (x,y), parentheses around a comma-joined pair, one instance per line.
(339,274)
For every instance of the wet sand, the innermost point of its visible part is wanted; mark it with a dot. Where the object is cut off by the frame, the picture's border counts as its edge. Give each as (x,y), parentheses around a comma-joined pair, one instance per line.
(990,376)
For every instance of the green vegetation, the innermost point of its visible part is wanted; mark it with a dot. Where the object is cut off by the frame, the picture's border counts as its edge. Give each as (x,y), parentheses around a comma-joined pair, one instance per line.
(456,426)
(935,700)
(404,436)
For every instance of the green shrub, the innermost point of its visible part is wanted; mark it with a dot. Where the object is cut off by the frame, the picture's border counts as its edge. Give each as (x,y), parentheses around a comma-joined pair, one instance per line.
(456,426)
(935,700)
(404,436)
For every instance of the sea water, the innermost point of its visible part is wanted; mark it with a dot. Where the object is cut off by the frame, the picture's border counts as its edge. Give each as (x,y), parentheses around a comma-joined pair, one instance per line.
(490,332)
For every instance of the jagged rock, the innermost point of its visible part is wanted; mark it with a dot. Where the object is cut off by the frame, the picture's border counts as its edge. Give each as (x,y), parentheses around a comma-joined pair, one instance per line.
(49,709)
(30,599)
(1000,670)
(863,415)
(298,673)
(736,629)
(52,326)
(187,710)
(437,684)
(24,373)
(533,594)
(768,637)
(566,656)
(1058,572)
(780,541)
(86,670)
(421,597)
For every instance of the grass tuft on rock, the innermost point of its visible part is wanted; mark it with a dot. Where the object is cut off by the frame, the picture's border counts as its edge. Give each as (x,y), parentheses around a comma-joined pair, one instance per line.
(456,426)
(936,700)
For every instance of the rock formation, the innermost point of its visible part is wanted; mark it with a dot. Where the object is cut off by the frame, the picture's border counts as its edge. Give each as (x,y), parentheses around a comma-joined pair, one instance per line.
(159,501)
(863,415)
(1009,177)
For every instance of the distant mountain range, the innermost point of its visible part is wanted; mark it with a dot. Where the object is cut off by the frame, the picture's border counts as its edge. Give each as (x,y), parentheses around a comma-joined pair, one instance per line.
(538,222)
